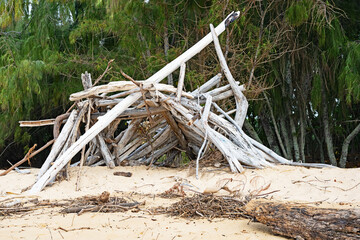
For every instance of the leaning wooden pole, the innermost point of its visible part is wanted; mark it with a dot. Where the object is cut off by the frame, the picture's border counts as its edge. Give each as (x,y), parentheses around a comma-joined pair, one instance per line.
(110,116)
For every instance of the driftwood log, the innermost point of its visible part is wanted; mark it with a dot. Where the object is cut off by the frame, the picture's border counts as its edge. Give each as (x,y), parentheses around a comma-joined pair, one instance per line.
(302,221)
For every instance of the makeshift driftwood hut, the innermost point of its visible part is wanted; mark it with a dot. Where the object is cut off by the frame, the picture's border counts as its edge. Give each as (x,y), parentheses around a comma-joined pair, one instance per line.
(163,119)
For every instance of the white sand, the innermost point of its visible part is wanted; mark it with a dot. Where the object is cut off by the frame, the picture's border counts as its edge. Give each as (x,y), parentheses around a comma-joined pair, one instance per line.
(327,187)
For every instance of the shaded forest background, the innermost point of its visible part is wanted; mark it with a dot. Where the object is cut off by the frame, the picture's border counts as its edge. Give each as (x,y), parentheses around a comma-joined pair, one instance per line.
(299,60)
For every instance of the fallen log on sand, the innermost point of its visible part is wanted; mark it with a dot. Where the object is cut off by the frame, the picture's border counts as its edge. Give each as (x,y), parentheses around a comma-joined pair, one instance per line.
(302,221)
(163,121)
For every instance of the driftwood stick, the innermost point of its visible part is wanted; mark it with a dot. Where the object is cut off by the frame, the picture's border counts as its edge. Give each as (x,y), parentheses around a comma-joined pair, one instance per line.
(124,94)
(75,132)
(164,149)
(37,123)
(207,85)
(191,135)
(222,89)
(129,132)
(110,87)
(129,148)
(204,120)
(140,85)
(83,155)
(57,124)
(181,81)
(161,138)
(171,121)
(134,113)
(59,143)
(109,159)
(108,68)
(240,99)
(86,80)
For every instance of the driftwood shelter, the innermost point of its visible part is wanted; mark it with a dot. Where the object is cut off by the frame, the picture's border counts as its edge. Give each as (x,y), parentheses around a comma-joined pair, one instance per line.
(162,119)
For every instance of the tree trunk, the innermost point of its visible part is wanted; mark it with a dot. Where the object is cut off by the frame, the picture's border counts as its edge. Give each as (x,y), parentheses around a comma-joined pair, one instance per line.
(302,134)
(302,221)
(166,48)
(289,92)
(286,137)
(327,133)
(275,126)
(293,134)
(251,131)
(345,146)
(270,135)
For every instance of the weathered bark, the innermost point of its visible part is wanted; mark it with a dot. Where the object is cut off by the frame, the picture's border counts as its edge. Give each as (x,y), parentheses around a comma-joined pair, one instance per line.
(302,142)
(286,137)
(302,221)
(107,156)
(241,101)
(293,134)
(181,81)
(277,133)
(207,85)
(59,143)
(270,136)
(345,146)
(327,133)
(251,131)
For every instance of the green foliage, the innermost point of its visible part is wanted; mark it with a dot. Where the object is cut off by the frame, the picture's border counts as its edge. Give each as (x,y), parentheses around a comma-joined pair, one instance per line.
(298,13)
(349,78)
(316,92)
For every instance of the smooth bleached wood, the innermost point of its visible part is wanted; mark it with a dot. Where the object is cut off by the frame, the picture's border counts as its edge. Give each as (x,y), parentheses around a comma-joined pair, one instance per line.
(181,81)
(59,143)
(240,99)
(208,85)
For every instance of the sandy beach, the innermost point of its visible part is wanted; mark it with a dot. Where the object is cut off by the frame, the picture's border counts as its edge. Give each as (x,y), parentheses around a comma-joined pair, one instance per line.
(331,187)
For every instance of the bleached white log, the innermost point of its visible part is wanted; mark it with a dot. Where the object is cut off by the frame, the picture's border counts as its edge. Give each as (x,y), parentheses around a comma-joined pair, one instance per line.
(86,80)
(37,123)
(134,113)
(132,146)
(174,126)
(219,90)
(164,149)
(167,88)
(129,132)
(59,143)
(204,121)
(181,81)
(155,143)
(240,99)
(122,106)
(123,86)
(158,128)
(110,87)
(105,152)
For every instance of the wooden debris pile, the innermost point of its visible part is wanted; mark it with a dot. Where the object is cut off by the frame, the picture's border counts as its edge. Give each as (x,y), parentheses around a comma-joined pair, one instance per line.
(206,206)
(161,119)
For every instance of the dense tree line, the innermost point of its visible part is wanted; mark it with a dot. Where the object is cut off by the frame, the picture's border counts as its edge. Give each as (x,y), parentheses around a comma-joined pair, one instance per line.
(299,60)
